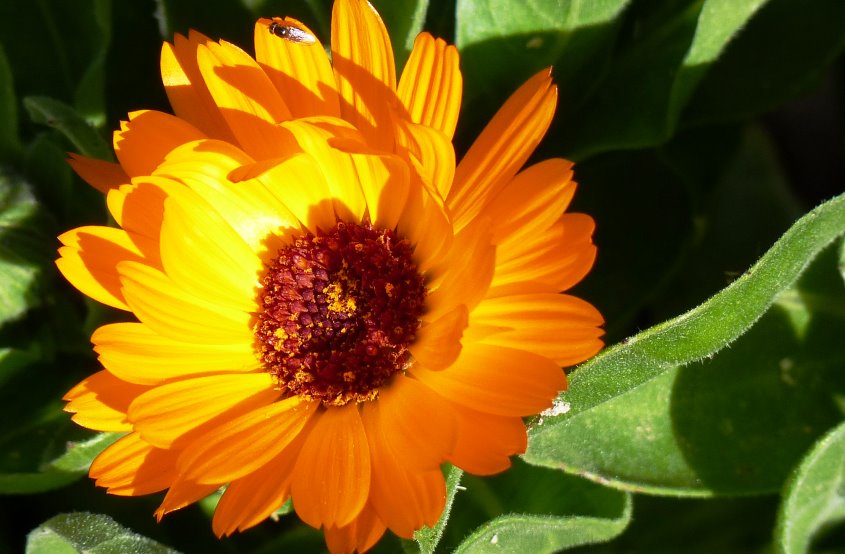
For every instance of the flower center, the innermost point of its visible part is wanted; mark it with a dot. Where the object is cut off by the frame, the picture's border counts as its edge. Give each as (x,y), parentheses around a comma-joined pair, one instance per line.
(339,312)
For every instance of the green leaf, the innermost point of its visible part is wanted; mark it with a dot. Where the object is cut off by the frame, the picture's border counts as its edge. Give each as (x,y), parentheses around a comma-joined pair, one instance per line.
(427,538)
(60,116)
(784,51)
(65,469)
(814,498)
(227,20)
(543,533)
(86,533)
(503,43)
(26,247)
(404,20)
(638,102)
(625,372)
(9,143)
(60,47)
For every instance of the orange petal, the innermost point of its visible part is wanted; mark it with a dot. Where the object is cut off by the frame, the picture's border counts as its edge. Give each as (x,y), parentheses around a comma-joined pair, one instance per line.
(497,380)
(365,72)
(431,84)
(467,274)
(503,147)
(331,479)
(101,401)
(173,313)
(89,261)
(245,96)
(144,140)
(416,424)
(438,343)
(243,445)
(532,201)
(134,353)
(486,441)
(132,467)
(181,494)
(548,261)
(100,174)
(360,535)
(186,88)
(165,413)
(431,153)
(561,327)
(405,499)
(301,72)
(251,499)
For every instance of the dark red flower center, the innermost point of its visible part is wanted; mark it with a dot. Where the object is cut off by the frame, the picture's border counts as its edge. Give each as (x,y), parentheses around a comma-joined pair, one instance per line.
(340,310)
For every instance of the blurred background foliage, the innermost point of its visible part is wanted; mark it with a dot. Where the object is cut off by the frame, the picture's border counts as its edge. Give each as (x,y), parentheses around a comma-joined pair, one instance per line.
(702,131)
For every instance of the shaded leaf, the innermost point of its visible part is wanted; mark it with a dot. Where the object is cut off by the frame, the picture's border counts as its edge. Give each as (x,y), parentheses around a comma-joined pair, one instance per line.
(814,498)
(63,118)
(88,533)
(26,247)
(638,102)
(89,97)
(782,52)
(9,143)
(699,333)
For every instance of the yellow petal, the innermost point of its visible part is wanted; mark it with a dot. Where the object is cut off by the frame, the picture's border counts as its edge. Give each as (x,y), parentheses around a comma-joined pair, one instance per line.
(243,445)
(186,88)
(431,84)
(132,467)
(362,58)
(89,261)
(144,140)
(165,413)
(100,174)
(502,148)
(331,480)
(245,96)
(301,72)
(172,312)
(138,208)
(252,211)
(496,380)
(101,401)
(431,153)
(438,343)
(486,441)
(133,352)
(205,256)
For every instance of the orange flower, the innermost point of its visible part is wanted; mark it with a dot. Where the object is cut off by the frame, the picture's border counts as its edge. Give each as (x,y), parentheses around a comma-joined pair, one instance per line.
(328,308)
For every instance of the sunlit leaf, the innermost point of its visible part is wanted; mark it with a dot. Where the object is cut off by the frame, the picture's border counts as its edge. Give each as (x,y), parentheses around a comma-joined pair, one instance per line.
(814,499)
(85,533)
(605,383)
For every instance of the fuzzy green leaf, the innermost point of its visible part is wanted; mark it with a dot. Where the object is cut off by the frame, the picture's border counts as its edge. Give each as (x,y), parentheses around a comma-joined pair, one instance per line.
(427,538)
(814,498)
(86,533)
(625,373)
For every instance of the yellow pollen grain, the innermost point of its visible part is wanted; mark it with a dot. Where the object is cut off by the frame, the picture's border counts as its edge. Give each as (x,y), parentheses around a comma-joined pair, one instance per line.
(348,376)
(336,301)
(388,288)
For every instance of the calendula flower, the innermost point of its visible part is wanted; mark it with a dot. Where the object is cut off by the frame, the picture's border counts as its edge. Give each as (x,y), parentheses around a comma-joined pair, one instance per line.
(328,308)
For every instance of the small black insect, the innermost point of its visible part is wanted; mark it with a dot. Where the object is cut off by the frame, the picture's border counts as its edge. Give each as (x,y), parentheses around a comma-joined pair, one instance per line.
(291,33)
